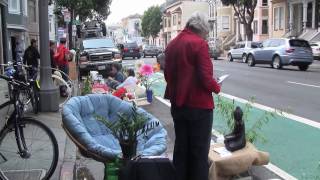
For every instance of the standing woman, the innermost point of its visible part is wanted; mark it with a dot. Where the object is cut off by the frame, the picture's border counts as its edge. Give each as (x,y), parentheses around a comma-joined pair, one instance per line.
(190,83)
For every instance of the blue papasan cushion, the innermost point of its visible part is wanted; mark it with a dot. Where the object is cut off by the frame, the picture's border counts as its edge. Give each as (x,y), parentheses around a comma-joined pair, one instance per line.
(78,119)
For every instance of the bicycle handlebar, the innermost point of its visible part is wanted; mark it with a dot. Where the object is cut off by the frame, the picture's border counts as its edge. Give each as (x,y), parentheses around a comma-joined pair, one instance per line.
(14,81)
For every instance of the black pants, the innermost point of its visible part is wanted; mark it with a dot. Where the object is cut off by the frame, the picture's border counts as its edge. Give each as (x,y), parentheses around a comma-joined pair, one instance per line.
(193,133)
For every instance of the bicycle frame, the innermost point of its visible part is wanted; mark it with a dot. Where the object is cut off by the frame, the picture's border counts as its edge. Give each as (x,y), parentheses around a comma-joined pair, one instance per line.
(15,120)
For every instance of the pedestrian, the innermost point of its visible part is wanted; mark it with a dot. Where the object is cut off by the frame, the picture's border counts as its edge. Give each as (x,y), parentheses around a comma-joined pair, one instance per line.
(116,77)
(190,83)
(30,58)
(62,58)
(52,45)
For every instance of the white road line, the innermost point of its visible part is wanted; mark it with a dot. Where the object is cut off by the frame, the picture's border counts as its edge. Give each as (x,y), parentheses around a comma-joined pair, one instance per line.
(270,166)
(269,109)
(302,84)
(217,69)
(279,172)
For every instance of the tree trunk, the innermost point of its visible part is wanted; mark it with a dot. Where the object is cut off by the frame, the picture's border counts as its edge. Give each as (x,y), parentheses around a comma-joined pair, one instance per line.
(249,32)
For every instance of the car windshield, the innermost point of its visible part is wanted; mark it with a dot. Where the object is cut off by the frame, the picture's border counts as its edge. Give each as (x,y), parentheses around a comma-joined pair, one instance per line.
(130,45)
(299,43)
(314,45)
(98,43)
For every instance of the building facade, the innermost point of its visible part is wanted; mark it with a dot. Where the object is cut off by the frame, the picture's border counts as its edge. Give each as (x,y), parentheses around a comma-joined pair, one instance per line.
(132,28)
(3,32)
(176,15)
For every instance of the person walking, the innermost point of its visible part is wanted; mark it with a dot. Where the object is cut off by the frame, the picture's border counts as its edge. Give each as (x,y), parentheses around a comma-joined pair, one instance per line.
(30,58)
(190,83)
(62,57)
(52,45)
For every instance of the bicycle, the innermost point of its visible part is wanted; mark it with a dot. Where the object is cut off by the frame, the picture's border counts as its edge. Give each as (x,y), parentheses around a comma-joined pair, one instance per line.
(29,93)
(26,144)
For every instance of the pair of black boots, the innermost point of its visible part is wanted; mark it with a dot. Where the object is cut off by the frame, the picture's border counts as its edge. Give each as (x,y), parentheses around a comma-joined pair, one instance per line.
(237,139)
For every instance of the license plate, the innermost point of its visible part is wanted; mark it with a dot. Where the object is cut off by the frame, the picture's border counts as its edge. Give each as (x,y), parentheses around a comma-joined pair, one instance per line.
(101,67)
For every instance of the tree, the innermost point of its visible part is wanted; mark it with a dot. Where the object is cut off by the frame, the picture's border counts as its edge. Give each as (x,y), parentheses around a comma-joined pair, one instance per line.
(151,20)
(244,10)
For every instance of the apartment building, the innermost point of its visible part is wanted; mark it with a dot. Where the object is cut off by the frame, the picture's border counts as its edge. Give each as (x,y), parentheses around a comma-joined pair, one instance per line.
(3,31)
(176,15)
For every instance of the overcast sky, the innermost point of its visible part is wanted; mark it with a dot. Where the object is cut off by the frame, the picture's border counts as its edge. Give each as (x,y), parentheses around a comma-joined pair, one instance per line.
(123,8)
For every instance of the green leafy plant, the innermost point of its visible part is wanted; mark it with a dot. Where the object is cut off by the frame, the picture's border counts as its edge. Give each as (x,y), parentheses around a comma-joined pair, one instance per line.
(253,133)
(87,87)
(129,127)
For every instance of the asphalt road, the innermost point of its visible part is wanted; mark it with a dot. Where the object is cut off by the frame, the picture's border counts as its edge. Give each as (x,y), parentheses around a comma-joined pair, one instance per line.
(289,89)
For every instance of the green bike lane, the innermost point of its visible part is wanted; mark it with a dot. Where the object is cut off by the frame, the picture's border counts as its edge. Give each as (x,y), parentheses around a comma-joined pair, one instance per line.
(294,146)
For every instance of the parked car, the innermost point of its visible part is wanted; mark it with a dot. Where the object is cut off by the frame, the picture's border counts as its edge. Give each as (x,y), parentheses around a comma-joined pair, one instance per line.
(241,49)
(131,50)
(214,51)
(150,50)
(281,52)
(315,50)
(98,54)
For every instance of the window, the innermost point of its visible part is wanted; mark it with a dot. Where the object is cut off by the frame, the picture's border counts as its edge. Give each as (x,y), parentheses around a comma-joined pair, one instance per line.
(255,27)
(32,12)
(265,26)
(174,20)
(264,2)
(179,19)
(281,16)
(169,22)
(225,23)
(278,21)
(14,6)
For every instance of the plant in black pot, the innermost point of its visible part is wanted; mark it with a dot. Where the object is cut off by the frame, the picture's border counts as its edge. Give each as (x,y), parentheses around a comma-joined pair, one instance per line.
(129,126)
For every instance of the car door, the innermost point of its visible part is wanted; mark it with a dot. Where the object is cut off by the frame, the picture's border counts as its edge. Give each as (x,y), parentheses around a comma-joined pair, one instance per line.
(234,50)
(241,50)
(259,53)
(267,53)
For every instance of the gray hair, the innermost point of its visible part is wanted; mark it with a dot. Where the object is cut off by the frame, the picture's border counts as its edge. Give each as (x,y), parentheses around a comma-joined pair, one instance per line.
(198,22)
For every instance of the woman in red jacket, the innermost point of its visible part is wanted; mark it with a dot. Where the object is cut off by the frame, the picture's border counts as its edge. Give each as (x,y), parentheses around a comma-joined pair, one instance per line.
(190,84)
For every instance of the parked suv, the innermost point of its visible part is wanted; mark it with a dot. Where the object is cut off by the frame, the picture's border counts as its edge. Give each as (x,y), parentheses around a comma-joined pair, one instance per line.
(241,49)
(316,50)
(281,52)
(98,54)
(151,50)
(131,50)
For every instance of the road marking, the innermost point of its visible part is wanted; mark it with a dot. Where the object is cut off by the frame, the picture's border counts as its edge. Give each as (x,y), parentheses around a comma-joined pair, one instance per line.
(279,172)
(270,166)
(302,84)
(217,69)
(269,109)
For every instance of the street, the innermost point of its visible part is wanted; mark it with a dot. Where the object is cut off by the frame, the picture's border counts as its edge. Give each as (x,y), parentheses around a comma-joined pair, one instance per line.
(290,90)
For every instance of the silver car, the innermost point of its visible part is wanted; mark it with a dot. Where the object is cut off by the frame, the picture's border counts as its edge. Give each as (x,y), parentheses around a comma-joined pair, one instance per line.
(241,49)
(282,52)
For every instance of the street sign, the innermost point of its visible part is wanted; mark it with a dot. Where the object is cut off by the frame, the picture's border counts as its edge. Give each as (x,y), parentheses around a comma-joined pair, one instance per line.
(67,17)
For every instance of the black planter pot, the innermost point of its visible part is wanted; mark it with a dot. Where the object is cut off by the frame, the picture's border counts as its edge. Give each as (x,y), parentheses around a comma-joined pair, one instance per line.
(129,149)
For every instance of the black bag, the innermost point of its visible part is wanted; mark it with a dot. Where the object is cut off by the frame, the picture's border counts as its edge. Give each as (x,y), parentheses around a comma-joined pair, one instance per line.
(63,91)
(148,169)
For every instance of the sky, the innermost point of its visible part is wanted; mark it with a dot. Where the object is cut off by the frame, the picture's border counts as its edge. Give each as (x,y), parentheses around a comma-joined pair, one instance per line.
(123,8)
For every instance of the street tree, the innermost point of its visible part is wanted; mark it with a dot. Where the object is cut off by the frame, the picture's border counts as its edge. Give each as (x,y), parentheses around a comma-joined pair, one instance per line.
(151,20)
(244,10)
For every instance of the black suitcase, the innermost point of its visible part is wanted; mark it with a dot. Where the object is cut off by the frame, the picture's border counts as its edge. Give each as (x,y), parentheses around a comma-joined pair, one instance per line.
(148,169)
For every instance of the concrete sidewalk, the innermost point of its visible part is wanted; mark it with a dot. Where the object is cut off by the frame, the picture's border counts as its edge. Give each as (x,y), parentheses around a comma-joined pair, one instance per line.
(91,169)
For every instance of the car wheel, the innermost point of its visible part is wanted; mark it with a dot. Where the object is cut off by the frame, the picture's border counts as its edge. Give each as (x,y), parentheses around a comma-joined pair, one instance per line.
(251,61)
(144,55)
(230,58)
(123,57)
(244,58)
(303,67)
(139,57)
(276,62)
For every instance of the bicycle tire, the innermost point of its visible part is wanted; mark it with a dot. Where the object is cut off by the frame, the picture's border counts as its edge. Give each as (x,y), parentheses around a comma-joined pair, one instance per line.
(35,100)
(38,146)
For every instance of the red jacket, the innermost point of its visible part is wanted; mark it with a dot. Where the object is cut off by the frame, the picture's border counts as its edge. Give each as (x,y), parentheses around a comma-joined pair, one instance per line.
(189,72)
(59,57)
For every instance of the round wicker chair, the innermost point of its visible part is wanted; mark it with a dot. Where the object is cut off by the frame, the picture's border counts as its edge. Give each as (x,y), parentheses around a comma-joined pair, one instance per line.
(93,138)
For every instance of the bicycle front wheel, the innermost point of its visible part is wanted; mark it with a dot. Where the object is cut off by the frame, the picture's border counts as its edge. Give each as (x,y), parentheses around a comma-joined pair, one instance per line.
(41,149)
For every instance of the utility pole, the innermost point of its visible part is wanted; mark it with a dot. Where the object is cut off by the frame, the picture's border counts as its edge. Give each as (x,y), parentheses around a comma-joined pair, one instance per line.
(49,94)
(213,20)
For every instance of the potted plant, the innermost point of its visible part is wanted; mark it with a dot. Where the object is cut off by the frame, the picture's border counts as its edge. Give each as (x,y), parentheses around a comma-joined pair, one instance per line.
(128,128)
(145,75)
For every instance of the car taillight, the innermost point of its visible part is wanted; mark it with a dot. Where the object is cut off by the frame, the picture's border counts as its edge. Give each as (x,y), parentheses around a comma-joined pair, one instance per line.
(125,49)
(290,50)
(83,58)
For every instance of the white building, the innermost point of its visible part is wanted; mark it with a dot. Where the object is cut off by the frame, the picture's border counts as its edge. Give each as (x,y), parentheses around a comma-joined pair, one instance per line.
(52,23)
